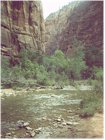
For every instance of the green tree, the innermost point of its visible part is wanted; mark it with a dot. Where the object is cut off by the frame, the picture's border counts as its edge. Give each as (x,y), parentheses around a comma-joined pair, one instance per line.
(97,79)
(5,70)
(76,63)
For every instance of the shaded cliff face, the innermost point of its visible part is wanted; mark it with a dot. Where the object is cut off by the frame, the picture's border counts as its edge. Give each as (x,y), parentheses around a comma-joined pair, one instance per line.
(83,21)
(22,26)
(55,24)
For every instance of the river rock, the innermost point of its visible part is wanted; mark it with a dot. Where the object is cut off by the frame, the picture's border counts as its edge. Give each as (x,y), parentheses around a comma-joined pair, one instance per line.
(53,95)
(69,123)
(38,130)
(20,123)
(72,123)
(12,129)
(15,136)
(64,123)
(12,132)
(44,118)
(8,137)
(58,120)
(27,134)
(49,119)
(75,123)
(60,126)
(26,124)
(70,111)
(8,134)
(28,128)
(32,133)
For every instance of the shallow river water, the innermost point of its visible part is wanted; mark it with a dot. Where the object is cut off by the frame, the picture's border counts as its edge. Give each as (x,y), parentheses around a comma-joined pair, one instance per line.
(53,112)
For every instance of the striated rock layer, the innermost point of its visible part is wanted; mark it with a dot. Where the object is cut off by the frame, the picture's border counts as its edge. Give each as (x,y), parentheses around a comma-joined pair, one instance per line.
(22,26)
(81,20)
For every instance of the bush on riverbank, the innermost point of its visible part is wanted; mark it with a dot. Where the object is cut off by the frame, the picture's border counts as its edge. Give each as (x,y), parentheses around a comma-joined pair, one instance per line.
(97,82)
(91,103)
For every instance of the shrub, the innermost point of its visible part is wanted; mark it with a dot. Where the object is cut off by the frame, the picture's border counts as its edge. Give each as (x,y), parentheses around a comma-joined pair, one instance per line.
(96,79)
(76,64)
(41,75)
(90,104)
(4,68)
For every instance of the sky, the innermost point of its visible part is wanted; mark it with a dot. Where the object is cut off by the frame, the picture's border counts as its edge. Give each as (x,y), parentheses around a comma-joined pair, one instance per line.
(50,6)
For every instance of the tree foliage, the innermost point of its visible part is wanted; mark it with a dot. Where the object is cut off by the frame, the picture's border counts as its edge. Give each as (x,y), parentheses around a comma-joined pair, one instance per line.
(48,70)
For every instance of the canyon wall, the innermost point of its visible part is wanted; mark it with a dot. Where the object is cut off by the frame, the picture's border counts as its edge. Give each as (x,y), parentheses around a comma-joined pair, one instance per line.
(22,26)
(80,20)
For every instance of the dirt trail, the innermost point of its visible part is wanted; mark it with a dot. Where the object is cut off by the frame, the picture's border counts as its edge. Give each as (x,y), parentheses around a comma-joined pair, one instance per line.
(93,126)
(96,125)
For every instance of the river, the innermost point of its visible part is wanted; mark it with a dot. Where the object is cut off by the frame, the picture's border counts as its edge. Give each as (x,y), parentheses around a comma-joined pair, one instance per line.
(55,113)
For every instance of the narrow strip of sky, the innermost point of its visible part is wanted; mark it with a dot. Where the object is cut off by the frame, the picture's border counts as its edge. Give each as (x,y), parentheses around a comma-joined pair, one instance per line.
(50,6)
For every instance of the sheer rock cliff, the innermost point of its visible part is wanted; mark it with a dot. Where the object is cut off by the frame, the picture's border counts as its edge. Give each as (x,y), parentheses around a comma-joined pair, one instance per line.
(22,26)
(81,20)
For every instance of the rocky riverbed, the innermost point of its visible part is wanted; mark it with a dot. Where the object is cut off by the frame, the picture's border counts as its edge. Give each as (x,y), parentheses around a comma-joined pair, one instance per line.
(45,113)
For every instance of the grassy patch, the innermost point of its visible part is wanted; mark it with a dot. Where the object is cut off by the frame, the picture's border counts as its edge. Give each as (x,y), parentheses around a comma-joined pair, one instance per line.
(90,104)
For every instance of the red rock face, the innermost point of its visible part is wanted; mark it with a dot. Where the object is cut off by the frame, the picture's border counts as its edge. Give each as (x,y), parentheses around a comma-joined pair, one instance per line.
(84,22)
(22,25)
